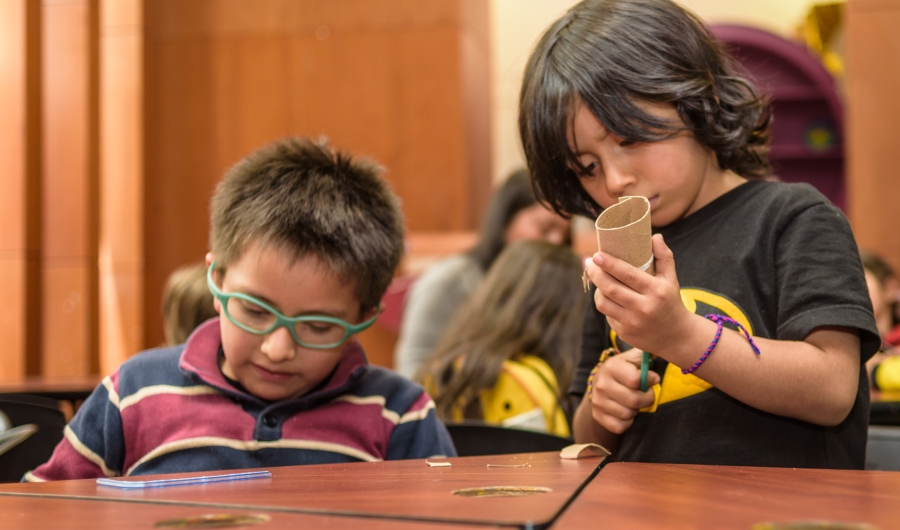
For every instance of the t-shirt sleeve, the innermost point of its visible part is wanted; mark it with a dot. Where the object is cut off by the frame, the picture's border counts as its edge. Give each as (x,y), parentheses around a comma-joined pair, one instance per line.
(93,444)
(820,278)
(594,339)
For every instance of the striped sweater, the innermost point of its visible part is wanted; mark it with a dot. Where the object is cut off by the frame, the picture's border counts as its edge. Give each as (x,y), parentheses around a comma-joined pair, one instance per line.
(171,410)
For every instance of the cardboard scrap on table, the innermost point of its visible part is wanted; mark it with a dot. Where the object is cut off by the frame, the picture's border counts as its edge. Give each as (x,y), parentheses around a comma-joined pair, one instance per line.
(577,451)
(437,464)
(624,231)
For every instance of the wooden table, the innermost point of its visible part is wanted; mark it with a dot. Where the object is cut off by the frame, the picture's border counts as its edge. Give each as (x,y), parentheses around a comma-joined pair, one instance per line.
(409,495)
(76,388)
(629,495)
(33,513)
(407,490)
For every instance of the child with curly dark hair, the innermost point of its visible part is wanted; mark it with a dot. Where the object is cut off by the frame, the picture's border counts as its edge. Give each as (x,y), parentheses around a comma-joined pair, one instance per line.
(636,97)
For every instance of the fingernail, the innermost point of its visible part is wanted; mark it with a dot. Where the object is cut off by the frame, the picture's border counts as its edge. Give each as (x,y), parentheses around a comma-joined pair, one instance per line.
(598,259)
(587,261)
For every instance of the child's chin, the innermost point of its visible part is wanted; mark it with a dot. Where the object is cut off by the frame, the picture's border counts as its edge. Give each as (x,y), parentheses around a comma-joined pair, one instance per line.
(268,393)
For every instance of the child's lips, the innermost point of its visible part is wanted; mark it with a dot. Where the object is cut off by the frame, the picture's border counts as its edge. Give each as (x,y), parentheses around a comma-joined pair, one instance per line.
(272,375)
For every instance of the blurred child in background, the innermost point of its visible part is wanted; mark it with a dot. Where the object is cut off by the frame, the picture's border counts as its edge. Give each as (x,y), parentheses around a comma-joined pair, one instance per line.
(884,366)
(513,215)
(509,354)
(187,302)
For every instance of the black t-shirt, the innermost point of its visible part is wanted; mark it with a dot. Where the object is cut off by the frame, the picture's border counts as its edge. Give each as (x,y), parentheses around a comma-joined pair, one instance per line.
(782,259)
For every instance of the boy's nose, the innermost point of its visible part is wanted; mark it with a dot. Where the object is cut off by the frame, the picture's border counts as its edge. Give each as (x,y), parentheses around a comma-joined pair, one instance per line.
(279,345)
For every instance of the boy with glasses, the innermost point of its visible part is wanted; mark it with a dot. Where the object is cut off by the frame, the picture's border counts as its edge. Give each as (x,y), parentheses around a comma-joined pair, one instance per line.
(304,242)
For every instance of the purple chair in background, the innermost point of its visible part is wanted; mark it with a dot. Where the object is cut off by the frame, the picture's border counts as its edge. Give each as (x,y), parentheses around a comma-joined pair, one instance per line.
(807,130)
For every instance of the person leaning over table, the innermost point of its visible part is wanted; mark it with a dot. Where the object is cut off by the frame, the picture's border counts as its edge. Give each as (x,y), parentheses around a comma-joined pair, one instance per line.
(296,229)
(513,215)
(187,303)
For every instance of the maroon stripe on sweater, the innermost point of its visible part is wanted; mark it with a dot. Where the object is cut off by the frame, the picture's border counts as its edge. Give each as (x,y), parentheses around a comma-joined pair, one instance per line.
(114,378)
(163,418)
(420,403)
(68,464)
(358,426)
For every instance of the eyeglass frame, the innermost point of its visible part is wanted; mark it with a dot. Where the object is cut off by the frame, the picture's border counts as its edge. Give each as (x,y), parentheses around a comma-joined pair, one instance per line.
(283,321)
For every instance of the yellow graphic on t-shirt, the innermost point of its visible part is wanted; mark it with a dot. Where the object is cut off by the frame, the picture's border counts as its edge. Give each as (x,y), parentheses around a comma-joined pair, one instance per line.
(675,385)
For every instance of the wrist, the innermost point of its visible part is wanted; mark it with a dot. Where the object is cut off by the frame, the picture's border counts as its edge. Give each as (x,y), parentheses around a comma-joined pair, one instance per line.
(695,336)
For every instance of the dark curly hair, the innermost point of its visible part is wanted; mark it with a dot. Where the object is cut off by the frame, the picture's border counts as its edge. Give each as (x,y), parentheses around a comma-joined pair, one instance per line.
(610,54)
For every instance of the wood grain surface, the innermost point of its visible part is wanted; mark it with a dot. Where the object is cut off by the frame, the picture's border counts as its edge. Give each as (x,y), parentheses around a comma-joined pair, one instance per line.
(30,513)
(401,489)
(62,387)
(630,495)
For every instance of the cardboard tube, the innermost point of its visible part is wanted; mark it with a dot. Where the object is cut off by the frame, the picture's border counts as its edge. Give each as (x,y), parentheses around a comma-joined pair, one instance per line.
(624,231)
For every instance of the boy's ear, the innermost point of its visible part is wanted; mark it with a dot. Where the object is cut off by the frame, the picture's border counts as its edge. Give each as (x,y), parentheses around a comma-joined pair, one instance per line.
(210,258)
(369,313)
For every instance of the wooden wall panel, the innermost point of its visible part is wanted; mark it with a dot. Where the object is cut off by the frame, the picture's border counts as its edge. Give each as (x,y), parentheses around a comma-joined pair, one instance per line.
(476,106)
(69,188)
(395,80)
(873,112)
(20,187)
(180,166)
(121,229)
(118,118)
(429,173)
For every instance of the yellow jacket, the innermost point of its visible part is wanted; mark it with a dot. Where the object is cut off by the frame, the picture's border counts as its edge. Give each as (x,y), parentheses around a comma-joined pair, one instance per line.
(524,397)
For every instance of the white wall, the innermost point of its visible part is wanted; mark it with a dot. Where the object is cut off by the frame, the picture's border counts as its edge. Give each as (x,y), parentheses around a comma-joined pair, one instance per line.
(517,24)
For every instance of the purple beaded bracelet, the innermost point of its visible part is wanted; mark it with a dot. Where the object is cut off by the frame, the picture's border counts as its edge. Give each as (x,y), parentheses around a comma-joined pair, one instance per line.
(719,320)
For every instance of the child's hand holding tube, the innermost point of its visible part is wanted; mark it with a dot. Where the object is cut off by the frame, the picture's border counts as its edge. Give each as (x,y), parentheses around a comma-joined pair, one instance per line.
(615,391)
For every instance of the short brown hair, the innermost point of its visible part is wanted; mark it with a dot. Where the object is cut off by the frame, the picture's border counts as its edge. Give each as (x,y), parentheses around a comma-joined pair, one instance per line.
(187,302)
(306,198)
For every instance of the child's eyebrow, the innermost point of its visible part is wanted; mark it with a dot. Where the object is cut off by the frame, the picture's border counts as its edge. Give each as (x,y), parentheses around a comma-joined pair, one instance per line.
(254,294)
(324,313)
(573,144)
(315,312)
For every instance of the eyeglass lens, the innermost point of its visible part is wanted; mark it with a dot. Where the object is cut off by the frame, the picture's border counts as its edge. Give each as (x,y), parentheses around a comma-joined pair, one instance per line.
(261,319)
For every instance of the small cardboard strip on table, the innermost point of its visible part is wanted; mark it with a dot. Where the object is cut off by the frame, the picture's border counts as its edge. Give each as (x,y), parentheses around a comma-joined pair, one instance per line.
(576,451)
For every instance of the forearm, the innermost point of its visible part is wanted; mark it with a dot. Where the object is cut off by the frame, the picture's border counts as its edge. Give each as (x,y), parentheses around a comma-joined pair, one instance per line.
(586,430)
(814,380)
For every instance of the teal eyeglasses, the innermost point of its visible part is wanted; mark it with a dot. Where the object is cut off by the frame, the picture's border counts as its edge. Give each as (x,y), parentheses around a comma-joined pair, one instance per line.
(255,316)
